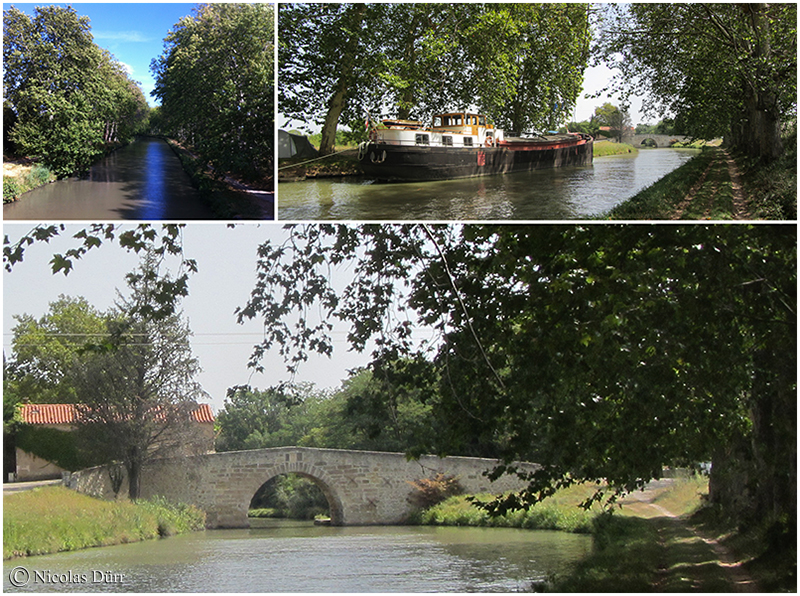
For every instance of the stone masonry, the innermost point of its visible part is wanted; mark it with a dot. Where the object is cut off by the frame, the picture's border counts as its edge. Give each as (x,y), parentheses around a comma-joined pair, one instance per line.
(362,487)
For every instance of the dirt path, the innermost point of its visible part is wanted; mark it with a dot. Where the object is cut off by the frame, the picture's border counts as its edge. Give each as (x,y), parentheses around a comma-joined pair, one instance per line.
(740,210)
(680,537)
(739,199)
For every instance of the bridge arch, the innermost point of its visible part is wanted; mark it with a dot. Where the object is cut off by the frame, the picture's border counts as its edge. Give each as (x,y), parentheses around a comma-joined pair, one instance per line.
(317,477)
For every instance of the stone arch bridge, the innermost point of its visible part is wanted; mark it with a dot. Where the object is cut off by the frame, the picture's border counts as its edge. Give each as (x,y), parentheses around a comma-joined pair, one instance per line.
(362,487)
(660,140)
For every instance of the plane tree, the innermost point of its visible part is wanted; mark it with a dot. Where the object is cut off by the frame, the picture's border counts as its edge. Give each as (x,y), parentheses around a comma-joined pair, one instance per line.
(602,352)
(723,69)
(522,64)
(69,98)
(215,83)
(526,62)
(327,56)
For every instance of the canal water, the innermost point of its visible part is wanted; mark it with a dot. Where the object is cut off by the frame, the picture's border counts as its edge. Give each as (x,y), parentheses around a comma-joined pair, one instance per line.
(300,557)
(563,193)
(142,181)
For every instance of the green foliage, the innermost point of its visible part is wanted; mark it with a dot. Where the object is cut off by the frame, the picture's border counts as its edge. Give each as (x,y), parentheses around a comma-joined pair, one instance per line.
(70,98)
(461,511)
(721,69)
(54,519)
(522,64)
(50,444)
(289,495)
(11,189)
(215,81)
(595,351)
(174,518)
(45,349)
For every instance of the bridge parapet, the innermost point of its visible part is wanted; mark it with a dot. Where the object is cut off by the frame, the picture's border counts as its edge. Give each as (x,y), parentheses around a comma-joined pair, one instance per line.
(362,487)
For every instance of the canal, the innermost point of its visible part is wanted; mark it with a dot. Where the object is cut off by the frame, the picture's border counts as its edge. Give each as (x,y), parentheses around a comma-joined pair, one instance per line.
(564,193)
(142,181)
(301,557)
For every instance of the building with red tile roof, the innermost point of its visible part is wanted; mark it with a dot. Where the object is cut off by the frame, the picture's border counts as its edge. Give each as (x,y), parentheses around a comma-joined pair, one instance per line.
(64,417)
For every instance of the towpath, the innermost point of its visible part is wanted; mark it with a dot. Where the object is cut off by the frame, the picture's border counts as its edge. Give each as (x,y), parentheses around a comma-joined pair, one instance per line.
(692,560)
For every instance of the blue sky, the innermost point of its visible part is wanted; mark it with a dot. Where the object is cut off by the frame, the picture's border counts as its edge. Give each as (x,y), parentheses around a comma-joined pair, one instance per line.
(133,33)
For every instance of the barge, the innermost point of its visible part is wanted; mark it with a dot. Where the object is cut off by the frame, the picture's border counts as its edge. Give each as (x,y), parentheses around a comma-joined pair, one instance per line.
(463,145)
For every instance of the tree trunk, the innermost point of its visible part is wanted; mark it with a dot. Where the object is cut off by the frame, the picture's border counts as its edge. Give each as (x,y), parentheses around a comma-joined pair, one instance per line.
(335,107)
(338,100)
(134,467)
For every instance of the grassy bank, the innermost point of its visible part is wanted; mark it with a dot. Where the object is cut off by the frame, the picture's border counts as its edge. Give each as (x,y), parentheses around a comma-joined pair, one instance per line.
(53,519)
(606,148)
(559,512)
(225,202)
(718,186)
(22,175)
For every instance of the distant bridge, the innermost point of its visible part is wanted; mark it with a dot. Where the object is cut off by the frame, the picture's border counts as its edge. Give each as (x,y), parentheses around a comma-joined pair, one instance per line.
(660,140)
(362,487)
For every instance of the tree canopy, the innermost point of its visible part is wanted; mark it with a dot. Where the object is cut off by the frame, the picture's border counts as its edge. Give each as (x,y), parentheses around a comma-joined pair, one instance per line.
(70,99)
(522,64)
(215,82)
(721,69)
(600,352)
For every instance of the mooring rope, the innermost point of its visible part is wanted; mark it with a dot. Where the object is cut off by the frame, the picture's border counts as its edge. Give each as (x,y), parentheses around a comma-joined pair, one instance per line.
(294,165)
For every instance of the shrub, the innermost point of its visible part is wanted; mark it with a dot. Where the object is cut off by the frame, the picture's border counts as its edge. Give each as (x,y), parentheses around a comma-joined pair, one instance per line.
(431,491)
(11,189)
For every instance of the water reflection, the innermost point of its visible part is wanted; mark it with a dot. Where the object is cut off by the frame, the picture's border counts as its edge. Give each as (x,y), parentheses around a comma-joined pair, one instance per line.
(328,559)
(144,180)
(564,193)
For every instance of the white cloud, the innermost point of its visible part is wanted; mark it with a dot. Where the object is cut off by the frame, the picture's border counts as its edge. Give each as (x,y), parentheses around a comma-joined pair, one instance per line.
(127,36)
(128,68)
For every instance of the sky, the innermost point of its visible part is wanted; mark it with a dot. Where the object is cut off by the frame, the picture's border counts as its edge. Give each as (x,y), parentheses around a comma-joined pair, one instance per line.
(226,259)
(133,33)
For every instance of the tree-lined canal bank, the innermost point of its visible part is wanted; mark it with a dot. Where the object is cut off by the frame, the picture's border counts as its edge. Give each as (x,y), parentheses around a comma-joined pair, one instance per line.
(144,180)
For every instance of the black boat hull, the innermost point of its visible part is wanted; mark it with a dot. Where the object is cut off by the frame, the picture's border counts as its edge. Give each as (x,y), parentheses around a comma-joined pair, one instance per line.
(395,163)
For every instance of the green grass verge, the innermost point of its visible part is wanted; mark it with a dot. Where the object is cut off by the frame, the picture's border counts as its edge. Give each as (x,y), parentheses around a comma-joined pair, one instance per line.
(660,200)
(607,148)
(52,519)
(28,179)
(225,203)
(559,512)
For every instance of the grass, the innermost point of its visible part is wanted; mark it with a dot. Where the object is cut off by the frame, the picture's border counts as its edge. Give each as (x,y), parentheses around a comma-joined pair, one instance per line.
(661,199)
(19,178)
(53,519)
(559,512)
(606,148)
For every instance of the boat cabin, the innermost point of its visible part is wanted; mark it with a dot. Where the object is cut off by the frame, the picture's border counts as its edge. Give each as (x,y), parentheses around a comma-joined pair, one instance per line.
(456,129)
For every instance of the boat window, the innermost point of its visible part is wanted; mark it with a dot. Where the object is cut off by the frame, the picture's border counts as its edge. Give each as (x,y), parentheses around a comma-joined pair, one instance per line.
(467,141)
(482,120)
(437,121)
(422,140)
(447,141)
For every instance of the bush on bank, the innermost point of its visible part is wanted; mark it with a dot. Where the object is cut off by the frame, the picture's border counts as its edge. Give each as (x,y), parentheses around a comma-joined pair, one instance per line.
(559,512)
(53,519)
(28,178)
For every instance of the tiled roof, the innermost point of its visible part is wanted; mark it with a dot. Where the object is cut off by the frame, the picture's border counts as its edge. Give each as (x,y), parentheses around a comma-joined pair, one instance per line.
(66,414)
